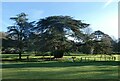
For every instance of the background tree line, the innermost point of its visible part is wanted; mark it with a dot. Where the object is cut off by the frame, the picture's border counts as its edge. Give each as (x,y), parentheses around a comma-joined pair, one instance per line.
(51,35)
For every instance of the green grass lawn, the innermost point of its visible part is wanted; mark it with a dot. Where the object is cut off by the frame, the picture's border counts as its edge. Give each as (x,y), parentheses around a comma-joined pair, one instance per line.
(78,57)
(60,70)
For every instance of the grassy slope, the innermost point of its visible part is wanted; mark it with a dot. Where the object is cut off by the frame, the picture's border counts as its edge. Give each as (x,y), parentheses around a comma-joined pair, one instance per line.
(59,70)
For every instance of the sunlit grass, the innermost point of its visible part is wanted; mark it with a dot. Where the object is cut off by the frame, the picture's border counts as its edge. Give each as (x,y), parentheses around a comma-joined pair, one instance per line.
(98,57)
(62,69)
(59,70)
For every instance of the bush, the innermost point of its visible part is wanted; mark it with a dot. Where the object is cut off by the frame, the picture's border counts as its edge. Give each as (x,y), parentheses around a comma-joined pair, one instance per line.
(10,51)
(43,54)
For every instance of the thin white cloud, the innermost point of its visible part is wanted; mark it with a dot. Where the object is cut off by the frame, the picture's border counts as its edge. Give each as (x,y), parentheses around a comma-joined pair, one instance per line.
(107,3)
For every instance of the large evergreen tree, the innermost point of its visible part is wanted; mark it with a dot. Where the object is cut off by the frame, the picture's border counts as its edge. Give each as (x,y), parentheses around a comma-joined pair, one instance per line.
(54,32)
(19,31)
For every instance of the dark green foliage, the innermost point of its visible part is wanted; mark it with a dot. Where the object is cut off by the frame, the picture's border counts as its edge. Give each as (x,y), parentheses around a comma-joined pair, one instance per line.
(103,44)
(119,46)
(20,31)
(51,35)
(98,43)
(8,45)
(53,32)
(116,46)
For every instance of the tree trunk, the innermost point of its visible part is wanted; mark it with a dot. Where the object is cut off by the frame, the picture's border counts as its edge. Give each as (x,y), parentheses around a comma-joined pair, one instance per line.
(58,54)
(20,56)
(20,52)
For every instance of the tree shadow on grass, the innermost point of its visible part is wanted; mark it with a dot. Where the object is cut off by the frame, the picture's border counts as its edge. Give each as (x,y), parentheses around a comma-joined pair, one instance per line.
(59,64)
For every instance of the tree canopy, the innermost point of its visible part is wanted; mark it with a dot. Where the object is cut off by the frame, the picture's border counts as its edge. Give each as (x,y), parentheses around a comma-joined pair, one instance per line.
(56,35)
(55,30)
(19,31)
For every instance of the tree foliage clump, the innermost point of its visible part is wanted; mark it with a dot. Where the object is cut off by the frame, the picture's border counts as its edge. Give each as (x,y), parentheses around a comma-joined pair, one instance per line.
(20,31)
(54,32)
(97,43)
(57,35)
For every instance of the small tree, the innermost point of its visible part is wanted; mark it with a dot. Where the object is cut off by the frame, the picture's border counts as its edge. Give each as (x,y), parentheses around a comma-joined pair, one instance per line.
(103,43)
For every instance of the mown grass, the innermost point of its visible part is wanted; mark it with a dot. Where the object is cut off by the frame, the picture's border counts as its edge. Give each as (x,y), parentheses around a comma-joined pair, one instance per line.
(98,57)
(64,69)
(60,70)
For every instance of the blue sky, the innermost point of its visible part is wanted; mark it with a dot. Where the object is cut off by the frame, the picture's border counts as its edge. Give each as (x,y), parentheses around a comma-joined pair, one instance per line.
(100,15)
